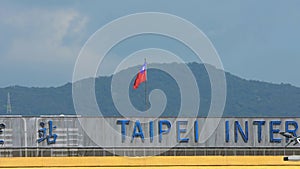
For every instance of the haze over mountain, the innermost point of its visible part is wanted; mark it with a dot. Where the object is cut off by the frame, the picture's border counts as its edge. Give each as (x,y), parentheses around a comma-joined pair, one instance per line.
(245,98)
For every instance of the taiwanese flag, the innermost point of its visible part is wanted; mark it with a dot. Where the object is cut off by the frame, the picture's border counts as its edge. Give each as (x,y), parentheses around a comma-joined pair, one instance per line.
(141,76)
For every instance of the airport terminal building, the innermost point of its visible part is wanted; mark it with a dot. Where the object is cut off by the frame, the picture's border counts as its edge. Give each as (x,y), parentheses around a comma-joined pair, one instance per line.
(116,136)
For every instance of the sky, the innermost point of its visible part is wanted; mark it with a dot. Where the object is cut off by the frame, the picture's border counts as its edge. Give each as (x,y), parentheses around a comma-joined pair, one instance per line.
(40,40)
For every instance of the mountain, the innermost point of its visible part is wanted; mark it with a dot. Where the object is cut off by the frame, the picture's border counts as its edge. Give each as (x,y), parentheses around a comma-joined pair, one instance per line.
(245,98)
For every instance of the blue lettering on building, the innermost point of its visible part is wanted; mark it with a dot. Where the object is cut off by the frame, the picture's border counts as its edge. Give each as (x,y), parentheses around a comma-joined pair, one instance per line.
(51,138)
(259,129)
(227,131)
(162,131)
(123,128)
(292,131)
(243,133)
(273,130)
(2,127)
(196,131)
(235,131)
(181,130)
(137,131)
(151,131)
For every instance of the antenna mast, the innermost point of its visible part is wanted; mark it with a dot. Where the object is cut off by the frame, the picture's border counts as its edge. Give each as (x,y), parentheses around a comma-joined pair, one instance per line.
(8,110)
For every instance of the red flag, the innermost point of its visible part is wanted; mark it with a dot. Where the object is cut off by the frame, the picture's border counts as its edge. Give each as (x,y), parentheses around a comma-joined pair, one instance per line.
(141,76)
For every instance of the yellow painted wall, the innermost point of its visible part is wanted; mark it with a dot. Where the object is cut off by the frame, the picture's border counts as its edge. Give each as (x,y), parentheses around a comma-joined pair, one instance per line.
(169,162)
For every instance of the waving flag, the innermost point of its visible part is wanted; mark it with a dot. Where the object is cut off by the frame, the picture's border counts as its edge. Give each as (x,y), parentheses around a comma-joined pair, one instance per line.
(141,76)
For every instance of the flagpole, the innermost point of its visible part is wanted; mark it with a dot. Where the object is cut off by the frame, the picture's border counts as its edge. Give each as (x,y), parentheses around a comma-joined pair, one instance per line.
(146,105)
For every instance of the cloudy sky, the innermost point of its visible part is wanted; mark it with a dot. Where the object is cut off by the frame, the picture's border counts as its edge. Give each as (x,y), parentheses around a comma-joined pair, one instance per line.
(40,40)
